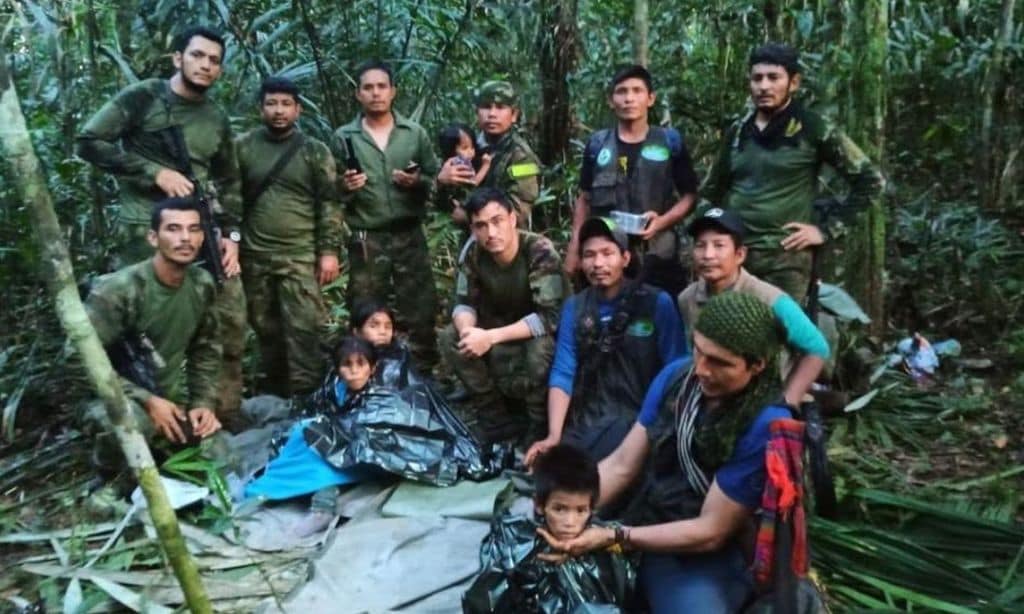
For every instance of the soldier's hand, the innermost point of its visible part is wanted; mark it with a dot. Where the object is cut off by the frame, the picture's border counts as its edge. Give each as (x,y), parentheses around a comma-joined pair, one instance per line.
(327,269)
(173,183)
(229,257)
(572,260)
(474,342)
(405,179)
(653,226)
(165,416)
(353,180)
(802,236)
(453,173)
(204,421)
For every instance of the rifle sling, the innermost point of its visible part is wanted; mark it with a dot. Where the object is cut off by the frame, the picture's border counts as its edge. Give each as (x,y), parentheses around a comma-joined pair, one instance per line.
(250,196)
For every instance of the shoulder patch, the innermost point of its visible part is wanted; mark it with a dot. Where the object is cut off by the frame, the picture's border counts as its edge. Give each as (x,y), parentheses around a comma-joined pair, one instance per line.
(523,170)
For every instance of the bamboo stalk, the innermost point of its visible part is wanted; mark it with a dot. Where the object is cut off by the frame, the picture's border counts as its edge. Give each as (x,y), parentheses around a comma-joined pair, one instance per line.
(32,188)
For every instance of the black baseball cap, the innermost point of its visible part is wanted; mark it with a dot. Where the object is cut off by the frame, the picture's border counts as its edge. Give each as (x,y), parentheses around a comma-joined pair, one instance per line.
(719,219)
(603,227)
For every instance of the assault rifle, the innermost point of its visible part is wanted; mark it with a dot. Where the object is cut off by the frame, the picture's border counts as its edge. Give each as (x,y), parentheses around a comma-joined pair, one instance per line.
(210,252)
(135,358)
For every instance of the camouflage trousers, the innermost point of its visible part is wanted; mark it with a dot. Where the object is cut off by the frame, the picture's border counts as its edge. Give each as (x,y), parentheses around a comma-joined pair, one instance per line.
(788,271)
(131,246)
(287,311)
(383,263)
(512,374)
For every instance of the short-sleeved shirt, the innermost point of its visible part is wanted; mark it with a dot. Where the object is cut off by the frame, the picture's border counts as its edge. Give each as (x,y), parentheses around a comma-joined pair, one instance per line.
(742,477)
(801,334)
(531,287)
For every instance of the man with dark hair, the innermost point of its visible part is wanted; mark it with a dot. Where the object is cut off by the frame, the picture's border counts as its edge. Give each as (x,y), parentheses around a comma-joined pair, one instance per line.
(385,202)
(171,304)
(613,338)
(718,255)
(514,167)
(638,169)
(507,296)
(292,233)
(767,172)
(132,137)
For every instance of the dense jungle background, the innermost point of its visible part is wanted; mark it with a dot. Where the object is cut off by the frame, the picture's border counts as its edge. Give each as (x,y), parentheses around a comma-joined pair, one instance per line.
(929,477)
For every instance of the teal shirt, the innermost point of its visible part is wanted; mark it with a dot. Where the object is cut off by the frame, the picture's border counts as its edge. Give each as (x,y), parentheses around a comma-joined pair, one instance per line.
(381,203)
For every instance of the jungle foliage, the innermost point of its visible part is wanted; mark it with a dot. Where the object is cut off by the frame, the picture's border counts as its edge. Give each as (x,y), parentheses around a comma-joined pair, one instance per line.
(929,479)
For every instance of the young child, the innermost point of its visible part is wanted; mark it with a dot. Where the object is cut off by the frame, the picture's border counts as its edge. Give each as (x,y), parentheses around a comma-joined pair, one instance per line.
(516,579)
(456,141)
(301,466)
(373,321)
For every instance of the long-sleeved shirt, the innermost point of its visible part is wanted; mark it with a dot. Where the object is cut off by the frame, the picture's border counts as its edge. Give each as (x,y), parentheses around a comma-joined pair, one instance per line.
(179,321)
(126,138)
(382,203)
(298,215)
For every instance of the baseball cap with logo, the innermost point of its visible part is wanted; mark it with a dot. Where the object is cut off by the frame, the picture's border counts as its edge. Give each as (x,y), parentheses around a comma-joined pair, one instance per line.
(719,219)
(500,92)
(603,227)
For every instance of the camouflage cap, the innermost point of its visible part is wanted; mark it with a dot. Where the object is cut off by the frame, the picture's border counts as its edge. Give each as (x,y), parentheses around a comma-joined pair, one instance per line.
(500,92)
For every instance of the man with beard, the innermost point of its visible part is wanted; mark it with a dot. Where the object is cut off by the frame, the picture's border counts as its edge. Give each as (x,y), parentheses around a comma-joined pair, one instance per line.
(171,304)
(131,136)
(385,203)
(767,172)
(291,234)
(507,297)
(613,338)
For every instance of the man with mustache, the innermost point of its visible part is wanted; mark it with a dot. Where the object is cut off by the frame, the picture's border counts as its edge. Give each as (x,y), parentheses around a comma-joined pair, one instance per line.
(292,233)
(613,339)
(767,173)
(171,303)
(508,294)
(130,137)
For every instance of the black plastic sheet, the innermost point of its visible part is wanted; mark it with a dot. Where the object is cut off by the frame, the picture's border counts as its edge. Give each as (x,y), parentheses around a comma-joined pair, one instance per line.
(514,580)
(402,425)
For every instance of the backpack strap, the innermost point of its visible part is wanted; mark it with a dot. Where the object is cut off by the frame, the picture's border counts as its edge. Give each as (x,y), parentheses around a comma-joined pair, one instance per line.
(250,196)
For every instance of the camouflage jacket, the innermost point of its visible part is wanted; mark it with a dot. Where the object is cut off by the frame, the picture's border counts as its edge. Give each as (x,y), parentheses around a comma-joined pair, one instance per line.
(770,177)
(514,168)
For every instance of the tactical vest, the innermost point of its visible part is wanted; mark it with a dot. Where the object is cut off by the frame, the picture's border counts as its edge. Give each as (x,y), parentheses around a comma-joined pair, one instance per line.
(617,362)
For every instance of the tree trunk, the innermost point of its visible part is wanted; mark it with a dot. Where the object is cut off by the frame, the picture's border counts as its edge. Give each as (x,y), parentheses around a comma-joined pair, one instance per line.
(865,247)
(31,184)
(988,176)
(641,28)
(558,46)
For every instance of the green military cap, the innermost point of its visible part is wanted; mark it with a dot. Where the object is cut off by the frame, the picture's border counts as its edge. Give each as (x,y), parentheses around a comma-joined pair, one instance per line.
(500,92)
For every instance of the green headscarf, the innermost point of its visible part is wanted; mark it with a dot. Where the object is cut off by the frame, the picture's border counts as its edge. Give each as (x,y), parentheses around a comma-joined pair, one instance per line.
(747,327)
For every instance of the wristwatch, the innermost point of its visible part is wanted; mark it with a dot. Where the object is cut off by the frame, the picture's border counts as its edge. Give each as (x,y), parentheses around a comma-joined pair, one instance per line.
(235,236)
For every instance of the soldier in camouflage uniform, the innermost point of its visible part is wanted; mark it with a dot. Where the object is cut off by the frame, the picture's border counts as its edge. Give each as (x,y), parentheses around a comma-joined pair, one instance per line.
(385,202)
(172,304)
(508,294)
(291,234)
(128,137)
(767,173)
(514,168)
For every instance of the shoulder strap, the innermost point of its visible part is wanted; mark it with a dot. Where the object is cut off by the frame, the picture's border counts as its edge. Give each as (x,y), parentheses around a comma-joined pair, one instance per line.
(250,196)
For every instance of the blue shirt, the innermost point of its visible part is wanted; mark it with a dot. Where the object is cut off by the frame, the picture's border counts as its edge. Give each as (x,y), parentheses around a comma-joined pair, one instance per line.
(667,325)
(742,477)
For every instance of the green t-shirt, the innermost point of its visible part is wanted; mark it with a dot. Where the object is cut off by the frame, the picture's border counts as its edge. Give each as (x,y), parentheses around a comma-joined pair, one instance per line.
(298,215)
(179,321)
(125,138)
(531,286)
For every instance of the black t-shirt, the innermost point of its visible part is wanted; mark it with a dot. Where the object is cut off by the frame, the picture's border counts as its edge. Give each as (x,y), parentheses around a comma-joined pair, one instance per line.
(683,175)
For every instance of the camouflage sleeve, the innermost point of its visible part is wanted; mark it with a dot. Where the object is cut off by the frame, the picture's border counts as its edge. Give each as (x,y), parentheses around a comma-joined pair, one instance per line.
(109,309)
(716,185)
(429,164)
(522,177)
(467,286)
(226,176)
(203,358)
(866,183)
(99,140)
(548,284)
(329,225)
